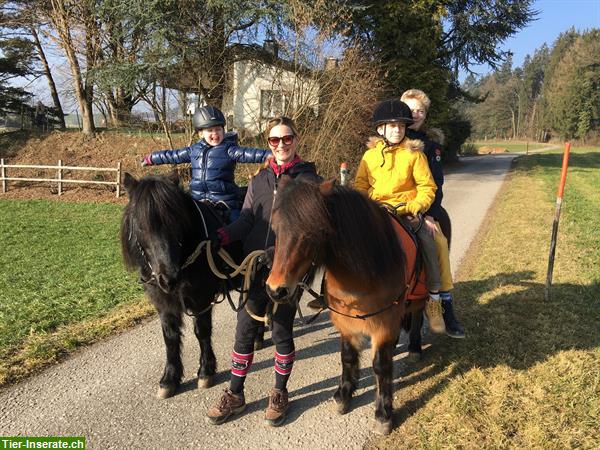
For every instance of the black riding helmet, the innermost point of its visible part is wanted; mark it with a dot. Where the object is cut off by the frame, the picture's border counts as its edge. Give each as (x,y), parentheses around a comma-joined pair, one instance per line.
(392,110)
(206,117)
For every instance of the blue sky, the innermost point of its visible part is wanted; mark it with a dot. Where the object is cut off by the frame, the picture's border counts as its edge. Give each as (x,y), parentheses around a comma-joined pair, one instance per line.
(555,16)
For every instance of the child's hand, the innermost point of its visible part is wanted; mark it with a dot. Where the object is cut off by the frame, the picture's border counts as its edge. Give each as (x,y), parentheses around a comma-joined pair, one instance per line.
(413,208)
(146,161)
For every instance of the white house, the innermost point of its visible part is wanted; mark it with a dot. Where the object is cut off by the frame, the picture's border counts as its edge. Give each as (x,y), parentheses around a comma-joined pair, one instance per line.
(262,90)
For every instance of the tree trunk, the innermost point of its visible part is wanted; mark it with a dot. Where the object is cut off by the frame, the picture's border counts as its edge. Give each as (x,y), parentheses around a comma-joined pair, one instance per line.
(532,126)
(513,123)
(62,26)
(52,86)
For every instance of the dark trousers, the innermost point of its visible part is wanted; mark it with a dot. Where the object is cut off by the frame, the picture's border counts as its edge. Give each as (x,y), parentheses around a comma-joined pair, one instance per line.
(282,322)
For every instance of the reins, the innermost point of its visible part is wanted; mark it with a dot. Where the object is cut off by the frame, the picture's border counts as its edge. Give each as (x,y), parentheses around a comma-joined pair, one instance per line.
(308,289)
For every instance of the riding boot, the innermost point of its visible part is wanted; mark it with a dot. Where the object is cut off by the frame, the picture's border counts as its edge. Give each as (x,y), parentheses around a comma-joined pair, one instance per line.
(453,327)
(433,312)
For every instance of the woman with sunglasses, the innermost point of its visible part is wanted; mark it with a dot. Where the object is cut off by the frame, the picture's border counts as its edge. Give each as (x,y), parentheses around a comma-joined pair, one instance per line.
(253,227)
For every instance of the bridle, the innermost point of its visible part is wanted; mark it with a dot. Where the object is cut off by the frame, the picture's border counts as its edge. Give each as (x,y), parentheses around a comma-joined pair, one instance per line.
(190,260)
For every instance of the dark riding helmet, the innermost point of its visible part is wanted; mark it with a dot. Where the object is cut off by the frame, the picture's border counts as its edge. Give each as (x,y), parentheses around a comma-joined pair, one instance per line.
(208,116)
(392,110)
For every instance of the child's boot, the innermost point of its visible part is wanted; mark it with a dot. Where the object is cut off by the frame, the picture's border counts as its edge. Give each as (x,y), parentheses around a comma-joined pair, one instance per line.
(433,311)
(453,327)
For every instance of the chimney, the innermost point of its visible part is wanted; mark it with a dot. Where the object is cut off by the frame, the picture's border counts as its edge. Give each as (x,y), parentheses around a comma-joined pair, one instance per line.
(271,47)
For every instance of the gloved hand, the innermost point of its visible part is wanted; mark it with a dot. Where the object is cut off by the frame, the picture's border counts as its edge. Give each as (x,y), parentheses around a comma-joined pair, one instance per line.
(215,241)
(147,161)
(413,208)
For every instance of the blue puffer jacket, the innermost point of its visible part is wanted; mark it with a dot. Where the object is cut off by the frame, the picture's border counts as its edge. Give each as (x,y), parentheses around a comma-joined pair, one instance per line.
(213,167)
(433,151)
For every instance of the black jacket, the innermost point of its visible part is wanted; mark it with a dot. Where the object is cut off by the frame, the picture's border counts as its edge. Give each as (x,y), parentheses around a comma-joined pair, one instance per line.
(433,151)
(253,226)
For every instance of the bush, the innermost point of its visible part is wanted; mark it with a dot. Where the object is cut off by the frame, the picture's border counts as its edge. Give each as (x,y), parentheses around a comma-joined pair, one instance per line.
(468,148)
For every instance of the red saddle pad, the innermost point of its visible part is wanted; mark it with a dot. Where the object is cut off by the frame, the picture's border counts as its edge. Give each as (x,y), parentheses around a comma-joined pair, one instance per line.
(416,282)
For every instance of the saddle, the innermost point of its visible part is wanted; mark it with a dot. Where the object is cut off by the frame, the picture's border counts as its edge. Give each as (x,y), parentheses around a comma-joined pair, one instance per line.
(415,270)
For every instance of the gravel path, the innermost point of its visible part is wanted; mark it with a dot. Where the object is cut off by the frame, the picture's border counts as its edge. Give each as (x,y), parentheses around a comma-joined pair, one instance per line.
(107,392)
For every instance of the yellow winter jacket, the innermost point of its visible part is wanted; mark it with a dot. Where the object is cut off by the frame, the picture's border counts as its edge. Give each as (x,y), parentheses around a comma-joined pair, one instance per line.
(395,174)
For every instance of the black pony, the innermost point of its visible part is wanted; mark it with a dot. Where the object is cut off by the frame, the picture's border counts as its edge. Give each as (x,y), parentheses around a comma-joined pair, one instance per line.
(162,226)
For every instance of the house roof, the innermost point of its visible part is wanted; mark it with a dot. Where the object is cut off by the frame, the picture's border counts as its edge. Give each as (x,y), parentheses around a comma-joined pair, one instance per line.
(185,75)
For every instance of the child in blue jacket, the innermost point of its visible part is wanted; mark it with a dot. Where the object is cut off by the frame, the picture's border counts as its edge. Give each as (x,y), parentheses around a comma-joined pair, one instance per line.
(213,159)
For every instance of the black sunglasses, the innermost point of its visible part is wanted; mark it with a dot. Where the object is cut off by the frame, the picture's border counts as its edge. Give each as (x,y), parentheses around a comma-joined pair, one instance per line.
(275,140)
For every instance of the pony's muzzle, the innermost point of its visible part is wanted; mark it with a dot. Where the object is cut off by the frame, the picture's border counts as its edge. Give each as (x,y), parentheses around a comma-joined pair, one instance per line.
(280,294)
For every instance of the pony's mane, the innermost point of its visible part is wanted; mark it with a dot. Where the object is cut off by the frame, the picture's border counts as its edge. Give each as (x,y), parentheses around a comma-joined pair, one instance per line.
(365,240)
(159,206)
(302,209)
(353,229)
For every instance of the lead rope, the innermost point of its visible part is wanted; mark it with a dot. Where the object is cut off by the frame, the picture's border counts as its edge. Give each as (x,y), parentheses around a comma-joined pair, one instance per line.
(202,217)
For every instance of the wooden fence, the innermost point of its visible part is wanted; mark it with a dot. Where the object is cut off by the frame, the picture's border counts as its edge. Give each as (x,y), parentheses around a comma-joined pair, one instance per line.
(59,180)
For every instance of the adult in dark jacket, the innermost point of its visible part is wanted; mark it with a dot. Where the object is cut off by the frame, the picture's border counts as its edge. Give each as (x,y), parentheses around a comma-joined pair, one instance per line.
(419,104)
(213,159)
(253,227)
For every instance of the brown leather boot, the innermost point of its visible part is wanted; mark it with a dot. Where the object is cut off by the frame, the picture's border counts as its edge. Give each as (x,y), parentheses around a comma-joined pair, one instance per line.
(278,406)
(228,405)
(433,312)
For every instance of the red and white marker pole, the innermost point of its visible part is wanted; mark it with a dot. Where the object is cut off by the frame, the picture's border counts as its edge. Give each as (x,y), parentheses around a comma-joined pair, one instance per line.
(559,197)
(344,174)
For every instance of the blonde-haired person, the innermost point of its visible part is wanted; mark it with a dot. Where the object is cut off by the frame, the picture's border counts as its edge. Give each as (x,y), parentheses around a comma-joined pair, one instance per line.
(393,171)
(419,104)
(254,228)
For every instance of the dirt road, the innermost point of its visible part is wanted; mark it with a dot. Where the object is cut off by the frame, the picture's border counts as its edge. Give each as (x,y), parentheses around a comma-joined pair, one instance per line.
(107,392)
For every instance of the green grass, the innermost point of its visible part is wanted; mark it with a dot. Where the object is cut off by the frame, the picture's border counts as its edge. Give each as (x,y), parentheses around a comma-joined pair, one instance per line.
(61,268)
(528,374)
(511,146)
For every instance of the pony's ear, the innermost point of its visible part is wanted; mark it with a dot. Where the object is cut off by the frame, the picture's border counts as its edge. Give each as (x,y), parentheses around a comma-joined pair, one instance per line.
(129,182)
(173,177)
(326,186)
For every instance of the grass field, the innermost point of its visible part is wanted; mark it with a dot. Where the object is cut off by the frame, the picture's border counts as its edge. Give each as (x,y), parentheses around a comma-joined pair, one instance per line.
(62,281)
(499,146)
(528,374)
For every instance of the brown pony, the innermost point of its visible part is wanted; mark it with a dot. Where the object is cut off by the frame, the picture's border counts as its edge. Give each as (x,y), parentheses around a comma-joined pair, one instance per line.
(365,277)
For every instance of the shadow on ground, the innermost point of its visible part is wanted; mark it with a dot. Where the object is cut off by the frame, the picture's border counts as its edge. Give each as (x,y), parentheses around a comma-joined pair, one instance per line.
(519,329)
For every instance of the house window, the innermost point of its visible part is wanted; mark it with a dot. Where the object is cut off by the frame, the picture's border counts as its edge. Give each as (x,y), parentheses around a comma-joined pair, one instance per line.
(273,103)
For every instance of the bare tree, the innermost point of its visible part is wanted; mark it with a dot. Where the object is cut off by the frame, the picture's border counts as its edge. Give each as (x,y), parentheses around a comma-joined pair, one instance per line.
(62,14)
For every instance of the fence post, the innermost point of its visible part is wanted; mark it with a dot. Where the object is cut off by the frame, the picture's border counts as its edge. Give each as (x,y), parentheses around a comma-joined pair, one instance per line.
(59,177)
(3,175)
(118,179)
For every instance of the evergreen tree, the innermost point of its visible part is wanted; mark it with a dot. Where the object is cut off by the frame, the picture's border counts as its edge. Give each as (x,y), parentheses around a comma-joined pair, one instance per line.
(571,99)
(17,58)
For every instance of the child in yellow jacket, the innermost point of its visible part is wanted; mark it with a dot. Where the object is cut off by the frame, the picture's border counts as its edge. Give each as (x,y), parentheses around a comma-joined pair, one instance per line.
(394,170)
